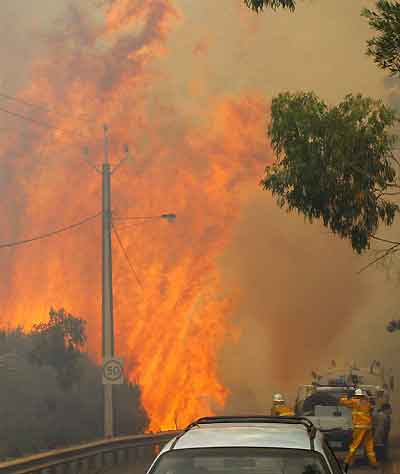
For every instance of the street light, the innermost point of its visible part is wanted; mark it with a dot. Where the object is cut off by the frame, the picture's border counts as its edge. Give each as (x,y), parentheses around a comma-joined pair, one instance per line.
(109,359)
(107,288)
(170,217)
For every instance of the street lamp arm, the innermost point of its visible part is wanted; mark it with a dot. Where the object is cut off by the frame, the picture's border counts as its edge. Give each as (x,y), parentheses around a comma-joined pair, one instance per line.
(169,217)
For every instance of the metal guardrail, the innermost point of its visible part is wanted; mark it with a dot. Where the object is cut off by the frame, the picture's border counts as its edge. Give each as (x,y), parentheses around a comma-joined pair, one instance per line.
(91,457)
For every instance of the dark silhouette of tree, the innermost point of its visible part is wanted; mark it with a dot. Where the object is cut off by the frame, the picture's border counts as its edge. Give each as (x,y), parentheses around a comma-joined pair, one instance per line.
(259,5)
(393,326)
(57,343)
(39,409)
(385,47)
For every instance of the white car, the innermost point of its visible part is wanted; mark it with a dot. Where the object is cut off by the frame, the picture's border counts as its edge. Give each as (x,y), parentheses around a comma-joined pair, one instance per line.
(247,445)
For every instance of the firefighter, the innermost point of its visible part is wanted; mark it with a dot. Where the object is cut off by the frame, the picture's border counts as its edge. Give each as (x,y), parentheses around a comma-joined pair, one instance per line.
(362,427)
(382,398)
(279,407)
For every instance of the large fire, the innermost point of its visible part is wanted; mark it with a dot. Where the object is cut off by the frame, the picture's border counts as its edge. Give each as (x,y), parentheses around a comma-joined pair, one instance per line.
(170,332)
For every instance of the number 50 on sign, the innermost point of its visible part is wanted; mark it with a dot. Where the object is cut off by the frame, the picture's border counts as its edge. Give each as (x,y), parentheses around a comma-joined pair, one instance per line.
(113,371)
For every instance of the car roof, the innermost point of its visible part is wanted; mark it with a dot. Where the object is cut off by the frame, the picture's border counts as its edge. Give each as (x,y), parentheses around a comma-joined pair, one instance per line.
(254,434)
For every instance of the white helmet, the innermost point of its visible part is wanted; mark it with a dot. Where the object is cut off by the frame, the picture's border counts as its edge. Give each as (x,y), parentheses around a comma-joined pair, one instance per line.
(359,392)
(278,397)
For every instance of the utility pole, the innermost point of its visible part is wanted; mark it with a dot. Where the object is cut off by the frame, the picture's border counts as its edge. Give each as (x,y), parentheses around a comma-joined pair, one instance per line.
(107,289)
(112,366)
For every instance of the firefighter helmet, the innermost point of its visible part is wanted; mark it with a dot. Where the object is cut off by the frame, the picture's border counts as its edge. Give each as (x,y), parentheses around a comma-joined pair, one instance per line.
(278,398)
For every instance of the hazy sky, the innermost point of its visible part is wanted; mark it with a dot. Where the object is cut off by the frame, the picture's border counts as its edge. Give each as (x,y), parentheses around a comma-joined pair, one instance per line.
(223,48)
(319,48)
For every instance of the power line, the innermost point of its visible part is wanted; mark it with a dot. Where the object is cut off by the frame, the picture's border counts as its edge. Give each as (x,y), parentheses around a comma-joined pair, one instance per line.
(48,126)
(49,234)
(24,102)
(29,119)
(126,256)
(40,123)
(42,107)
(385,240)
(129,225)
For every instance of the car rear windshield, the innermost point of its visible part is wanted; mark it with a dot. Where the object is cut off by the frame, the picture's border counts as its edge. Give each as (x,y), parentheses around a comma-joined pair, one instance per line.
(240,461)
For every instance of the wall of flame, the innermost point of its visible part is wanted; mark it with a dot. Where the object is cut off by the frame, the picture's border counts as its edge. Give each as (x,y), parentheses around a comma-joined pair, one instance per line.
(97,72)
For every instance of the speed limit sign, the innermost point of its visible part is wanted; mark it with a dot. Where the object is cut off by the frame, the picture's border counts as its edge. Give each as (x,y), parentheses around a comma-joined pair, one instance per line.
(113,371)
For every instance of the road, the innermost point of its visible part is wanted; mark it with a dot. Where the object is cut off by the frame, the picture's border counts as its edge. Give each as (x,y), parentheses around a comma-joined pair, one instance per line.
(391,467)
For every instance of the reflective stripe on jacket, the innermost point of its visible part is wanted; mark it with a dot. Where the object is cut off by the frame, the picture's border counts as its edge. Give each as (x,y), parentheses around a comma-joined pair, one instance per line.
(361,411)
(281,410)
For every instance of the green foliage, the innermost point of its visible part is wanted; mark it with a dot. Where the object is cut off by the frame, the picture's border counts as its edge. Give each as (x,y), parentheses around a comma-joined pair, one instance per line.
(259,5)
(333,163)
(385,47)
(393,326)
(57,342)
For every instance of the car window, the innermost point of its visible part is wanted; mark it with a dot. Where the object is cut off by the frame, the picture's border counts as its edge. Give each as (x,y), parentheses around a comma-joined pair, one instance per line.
(332,459)
(240,461)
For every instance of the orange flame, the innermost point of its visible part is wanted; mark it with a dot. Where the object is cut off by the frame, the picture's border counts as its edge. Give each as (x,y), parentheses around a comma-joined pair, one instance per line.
(169,333)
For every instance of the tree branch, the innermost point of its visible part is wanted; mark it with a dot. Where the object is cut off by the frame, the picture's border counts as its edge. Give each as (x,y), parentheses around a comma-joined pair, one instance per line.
(390,250)
(397,186)
(384,240)
(395,160)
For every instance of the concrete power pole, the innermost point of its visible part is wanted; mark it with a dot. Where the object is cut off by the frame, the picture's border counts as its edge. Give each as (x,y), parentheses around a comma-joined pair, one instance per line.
(112,366)
(107,289)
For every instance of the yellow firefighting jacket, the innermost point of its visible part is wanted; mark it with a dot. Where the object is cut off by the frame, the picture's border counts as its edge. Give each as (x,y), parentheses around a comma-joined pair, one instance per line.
(361,411)
(281,410)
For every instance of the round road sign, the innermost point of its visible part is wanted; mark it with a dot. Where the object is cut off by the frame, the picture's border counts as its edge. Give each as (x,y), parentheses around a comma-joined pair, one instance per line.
(112,370)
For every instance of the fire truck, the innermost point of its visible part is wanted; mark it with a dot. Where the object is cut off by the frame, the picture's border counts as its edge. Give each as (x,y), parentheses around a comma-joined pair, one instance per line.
(319,401)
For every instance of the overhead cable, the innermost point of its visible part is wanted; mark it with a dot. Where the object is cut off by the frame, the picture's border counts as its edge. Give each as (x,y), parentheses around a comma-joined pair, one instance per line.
(49,234)
(127,256)
(41,107)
